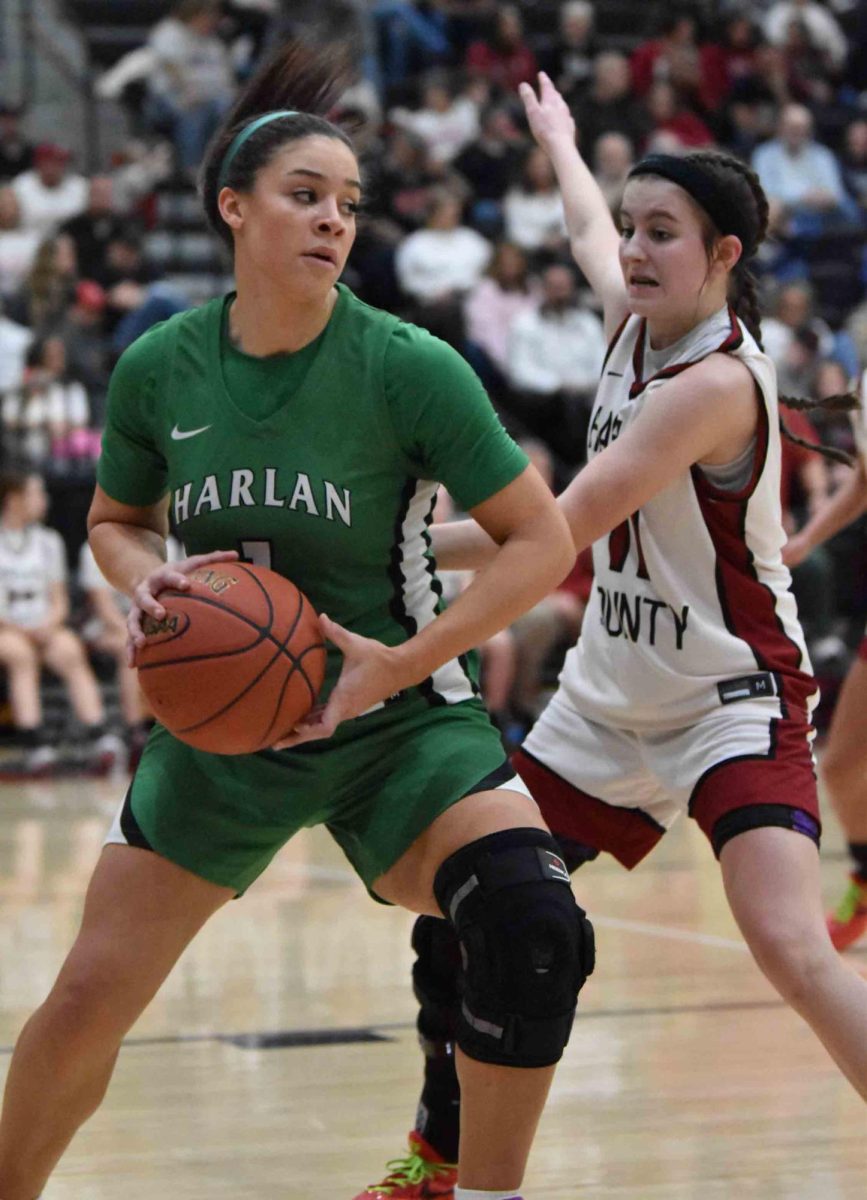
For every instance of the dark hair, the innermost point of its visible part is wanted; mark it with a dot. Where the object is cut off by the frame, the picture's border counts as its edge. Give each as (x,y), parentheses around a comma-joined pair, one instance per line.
(13,479)
(745,193)
(297,77)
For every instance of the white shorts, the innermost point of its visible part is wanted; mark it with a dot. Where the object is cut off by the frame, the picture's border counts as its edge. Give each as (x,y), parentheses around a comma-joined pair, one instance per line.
(746,764)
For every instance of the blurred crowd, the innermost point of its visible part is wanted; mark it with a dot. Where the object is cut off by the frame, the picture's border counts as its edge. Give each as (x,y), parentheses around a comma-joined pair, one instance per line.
(463,232)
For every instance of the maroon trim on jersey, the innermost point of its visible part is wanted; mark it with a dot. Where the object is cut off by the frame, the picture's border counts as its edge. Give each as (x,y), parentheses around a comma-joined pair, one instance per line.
(627,833)
(704,486)
(785,777)
(748,605)
(615,338)
(731,341)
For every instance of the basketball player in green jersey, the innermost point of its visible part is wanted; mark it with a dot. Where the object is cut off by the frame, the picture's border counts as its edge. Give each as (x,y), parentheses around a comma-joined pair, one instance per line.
(293,425)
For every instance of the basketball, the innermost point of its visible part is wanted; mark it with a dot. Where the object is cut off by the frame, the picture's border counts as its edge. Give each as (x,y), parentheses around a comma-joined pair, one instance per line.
(236,662)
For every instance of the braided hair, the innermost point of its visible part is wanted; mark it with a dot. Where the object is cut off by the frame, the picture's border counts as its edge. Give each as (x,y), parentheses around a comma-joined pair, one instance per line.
(305,79)
(742,185)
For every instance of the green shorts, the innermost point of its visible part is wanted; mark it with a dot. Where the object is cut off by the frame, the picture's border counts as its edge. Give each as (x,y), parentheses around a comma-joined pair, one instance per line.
(377,785)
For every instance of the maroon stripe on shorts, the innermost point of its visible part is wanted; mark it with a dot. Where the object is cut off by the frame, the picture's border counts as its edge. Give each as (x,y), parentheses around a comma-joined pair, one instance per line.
(627,833)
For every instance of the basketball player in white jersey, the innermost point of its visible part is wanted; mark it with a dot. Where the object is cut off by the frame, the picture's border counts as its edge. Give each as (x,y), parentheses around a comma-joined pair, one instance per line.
(844,761)
(34,605)
(690,689)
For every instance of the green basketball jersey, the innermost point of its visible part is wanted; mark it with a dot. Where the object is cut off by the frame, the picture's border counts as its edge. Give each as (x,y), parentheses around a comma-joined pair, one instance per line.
(330,480)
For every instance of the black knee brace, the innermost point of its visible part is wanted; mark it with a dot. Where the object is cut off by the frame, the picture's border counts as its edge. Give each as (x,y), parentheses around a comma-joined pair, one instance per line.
(436,981)
(526,946)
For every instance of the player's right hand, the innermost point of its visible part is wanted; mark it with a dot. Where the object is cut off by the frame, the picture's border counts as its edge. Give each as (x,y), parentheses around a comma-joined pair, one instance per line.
(548,113)
(167,575)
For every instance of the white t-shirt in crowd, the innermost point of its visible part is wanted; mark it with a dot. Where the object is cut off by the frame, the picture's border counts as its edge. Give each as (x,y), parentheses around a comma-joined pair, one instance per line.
(43,209)
(31,560)
(431,262)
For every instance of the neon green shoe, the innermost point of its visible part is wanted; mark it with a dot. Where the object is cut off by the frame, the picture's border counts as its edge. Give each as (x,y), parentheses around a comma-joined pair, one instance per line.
(848,922)
(422,1175)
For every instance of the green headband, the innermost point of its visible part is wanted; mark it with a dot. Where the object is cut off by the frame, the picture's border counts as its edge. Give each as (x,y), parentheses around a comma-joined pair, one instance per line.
(247,132)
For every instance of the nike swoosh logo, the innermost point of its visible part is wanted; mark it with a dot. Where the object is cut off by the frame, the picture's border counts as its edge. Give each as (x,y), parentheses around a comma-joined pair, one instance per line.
(178,435)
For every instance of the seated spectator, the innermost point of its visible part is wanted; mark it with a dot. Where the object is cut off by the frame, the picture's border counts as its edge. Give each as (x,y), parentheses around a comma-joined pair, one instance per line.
(491,161)
(104,631)
(754,100)
(16,153)
(490,310)
(793,310)
(809,76)
(15,341)
(854,161)
(48,194)
(34,606)
(733,57)
(49,287)
(409,39)
(675,56)
(801,177)
(669,115)
(556,352)
(437,265)
(822,28)
(17,245)
(93,229)
(570,62)
(609,105)
(46,418)
(401,183)
(82,333)
(192,83)
(135,295)
(533,207)
(446,123)
(612,159)
(504,57)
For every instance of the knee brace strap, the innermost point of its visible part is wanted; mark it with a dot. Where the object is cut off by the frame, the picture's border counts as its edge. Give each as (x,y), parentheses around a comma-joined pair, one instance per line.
(436,981)
(526,946)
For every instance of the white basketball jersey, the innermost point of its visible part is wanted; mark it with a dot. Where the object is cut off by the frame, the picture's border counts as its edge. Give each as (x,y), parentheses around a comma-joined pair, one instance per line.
(31,560)
(691,604)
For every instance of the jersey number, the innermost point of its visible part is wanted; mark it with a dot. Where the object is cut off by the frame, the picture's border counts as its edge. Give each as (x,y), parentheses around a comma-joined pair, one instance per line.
(619,541)
(258,552)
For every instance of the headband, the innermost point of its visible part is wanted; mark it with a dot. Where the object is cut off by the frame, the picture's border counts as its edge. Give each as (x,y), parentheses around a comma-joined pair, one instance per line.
(247,132)
(703,190)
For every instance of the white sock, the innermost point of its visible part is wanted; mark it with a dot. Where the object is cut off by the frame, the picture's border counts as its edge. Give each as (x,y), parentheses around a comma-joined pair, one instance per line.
(471,1194)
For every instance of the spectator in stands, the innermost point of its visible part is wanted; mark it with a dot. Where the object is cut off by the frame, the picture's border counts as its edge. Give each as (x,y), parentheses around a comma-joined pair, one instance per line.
(409,38)
(48,193)
(733,57)
(436,266)
(45,419)
(104,632)
(570,62)
(401,186)
(609,106)
(754,100)
(613,157)
(17,245)
(504,58)
(15,341)
(810,78)
(822,28)
(81,330)
(793,310)
(136,297)
(446,123)
(49,287)
(674,55)
(669,115)
(34,606)
(490,310)
(801,177)
(555,356)
(854,161)
(16,153)
(192,83)
(533,207)
(490,163)
(93,229)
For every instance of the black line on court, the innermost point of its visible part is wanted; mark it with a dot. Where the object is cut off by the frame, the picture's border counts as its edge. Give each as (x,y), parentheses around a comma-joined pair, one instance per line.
(291,1039)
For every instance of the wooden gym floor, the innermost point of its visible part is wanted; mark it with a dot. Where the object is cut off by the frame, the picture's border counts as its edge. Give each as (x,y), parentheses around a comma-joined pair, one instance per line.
(685,1079)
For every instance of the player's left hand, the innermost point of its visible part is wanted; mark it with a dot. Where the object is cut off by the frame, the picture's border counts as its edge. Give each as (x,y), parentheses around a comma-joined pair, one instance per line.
(370,673)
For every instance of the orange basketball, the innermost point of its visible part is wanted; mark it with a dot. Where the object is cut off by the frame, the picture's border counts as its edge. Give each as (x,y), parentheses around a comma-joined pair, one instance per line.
(236,662)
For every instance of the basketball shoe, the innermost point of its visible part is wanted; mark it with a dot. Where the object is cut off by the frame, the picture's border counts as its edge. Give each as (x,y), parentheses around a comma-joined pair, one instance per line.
(422,1175)
(848,921)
